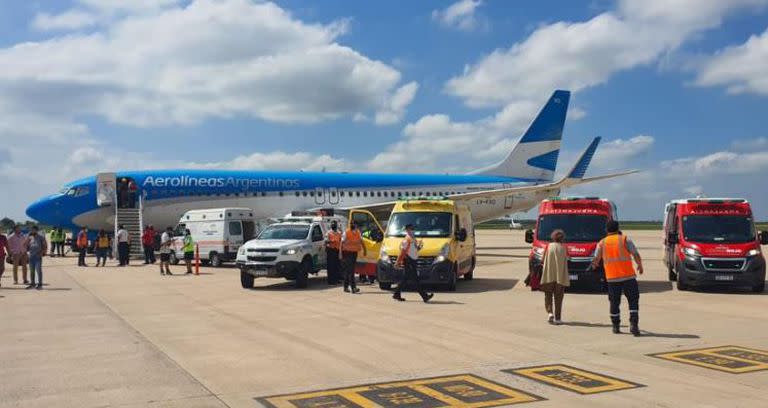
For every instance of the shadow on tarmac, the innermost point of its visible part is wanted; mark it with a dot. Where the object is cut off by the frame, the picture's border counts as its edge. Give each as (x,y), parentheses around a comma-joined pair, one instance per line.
(481,285)
(654,286)
(528,247)
(668,335)
(715,290)
(504,256)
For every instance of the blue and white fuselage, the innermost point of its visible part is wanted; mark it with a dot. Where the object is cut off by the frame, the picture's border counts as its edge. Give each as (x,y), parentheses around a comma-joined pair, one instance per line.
(515,184)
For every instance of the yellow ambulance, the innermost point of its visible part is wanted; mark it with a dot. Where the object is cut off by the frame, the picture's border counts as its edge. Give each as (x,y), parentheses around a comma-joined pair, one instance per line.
(446,230)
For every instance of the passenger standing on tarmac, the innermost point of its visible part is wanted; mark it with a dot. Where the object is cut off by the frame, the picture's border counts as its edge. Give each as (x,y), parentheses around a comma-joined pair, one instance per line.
(408,260)
(165,251)
(18,254)
(148,242)
(351,244)
(123,246)
(102,248)
(332,247)
(82,246)
(554,276)
(4,249)
(616,252)
(36,247)
(189,250)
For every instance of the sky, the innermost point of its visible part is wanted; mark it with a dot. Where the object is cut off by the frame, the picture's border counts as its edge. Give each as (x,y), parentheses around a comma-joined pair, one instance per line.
(676,88)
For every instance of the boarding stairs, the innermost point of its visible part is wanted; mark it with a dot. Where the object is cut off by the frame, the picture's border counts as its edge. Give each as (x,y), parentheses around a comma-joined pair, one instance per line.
(132,220)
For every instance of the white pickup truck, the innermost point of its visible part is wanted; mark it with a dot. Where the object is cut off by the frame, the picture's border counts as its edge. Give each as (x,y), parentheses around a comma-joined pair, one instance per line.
(292,249)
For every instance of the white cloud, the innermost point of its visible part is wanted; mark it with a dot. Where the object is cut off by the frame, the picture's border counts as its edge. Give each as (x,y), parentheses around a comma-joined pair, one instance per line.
(615,154)
(241,59)
(460,15)
(278,161)
(395,108)
(131,6)
(579,55)
(750,145)
(740,68)
(68,20)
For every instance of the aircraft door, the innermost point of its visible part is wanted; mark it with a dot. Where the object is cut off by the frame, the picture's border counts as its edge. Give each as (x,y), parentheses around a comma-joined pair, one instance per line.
(373,235)
(509,199)
(105,189)
(333,195)
(319,195)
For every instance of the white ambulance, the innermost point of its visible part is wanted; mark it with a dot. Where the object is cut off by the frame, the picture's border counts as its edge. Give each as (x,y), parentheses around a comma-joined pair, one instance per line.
(219,233)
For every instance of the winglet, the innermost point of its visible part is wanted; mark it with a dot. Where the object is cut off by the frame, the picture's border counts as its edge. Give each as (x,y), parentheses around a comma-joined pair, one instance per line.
(580,168)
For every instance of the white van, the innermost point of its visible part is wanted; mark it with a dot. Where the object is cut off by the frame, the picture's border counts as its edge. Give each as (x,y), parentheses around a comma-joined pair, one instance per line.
(219,233)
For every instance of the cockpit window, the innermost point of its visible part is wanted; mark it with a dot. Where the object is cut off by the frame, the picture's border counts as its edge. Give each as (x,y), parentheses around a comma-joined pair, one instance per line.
(76,191)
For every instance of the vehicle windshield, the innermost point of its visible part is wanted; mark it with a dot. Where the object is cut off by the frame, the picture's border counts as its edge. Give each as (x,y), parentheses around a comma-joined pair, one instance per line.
(718,228)
(426,224)
(577,228)
(285,232)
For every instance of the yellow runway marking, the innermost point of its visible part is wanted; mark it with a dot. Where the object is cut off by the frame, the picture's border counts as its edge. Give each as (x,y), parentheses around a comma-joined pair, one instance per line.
(573,379)
(729,359)
(464,390)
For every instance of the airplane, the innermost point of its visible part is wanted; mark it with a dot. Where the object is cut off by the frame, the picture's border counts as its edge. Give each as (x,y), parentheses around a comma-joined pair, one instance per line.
(516,184)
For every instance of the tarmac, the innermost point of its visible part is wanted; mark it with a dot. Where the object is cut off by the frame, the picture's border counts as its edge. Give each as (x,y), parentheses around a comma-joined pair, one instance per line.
(129,337)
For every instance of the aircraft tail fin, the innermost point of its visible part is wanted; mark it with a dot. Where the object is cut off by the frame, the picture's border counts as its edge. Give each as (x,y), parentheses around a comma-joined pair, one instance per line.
(534,157)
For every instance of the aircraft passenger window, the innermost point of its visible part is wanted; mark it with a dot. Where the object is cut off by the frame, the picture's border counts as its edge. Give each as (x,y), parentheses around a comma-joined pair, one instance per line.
(263,193)
(365,194)
(357,193)
(333,194)
(378,194)
(399,193)
(311,193)
(341,194)
(280,193)
(297,194)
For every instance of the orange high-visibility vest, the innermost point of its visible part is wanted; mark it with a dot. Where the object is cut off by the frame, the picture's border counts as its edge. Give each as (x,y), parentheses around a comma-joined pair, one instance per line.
(334,239)
(616,258)
(82,240)
(354,241)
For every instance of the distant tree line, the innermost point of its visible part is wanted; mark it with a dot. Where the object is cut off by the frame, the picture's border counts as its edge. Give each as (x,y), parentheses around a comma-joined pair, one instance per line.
(7,224)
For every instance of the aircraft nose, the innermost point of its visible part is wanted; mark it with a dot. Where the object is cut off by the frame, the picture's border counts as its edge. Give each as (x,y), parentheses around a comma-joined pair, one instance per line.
(42,211)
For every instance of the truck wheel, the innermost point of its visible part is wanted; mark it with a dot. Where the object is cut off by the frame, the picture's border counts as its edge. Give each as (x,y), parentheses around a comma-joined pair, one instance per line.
(173,259)
(452,279)
(246,280)
(681,285)
(759,288)
(471,274)
(385,285)
(302,275)
(215,259)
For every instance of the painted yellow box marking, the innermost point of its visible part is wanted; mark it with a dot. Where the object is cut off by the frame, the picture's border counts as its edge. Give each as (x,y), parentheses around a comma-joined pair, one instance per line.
(463,390)
(573,379)
(729,359)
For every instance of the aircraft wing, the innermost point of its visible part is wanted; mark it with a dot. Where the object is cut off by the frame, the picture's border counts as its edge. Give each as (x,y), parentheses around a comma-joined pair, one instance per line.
(573,178)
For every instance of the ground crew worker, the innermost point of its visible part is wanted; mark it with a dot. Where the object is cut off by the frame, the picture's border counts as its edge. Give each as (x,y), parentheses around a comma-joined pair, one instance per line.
(57,242)
(408,260)
(332,247)
(351,244)
(82,246)
(102,248)
(189,250)
(616,252)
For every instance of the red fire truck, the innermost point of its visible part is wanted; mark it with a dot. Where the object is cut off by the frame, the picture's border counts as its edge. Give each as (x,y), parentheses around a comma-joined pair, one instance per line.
(712,242)
(583,220)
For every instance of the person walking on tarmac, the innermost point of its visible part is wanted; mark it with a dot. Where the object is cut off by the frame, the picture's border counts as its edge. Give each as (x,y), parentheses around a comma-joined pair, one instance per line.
(189,250)
(123,246)
(57,242)
(332,247)
(409,255)
(351,244)
(102,248)
(616,252)
(82,246)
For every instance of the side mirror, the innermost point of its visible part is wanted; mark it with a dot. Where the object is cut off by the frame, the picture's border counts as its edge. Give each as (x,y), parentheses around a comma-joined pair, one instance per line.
(529,236)
(763,238)
(673,238)
(461,235)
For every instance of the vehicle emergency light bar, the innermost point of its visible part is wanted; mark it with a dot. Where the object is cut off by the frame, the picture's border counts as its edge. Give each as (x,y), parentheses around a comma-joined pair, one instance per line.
(574,198)
(717,200)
